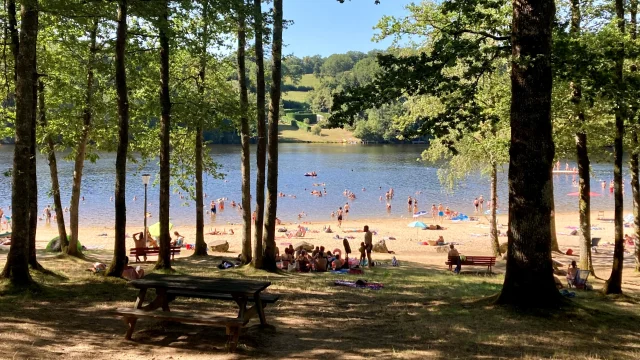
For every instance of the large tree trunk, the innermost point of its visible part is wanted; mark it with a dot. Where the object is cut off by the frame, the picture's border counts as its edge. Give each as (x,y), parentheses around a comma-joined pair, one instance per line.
(244,138)
(261,152)
(201,246)
(582,155)
(87,114)
(614,284)
(164,258)
(17,265)
(33,175)
(529,276)
(53,169)
(274,117)
(493,228)
(120,249)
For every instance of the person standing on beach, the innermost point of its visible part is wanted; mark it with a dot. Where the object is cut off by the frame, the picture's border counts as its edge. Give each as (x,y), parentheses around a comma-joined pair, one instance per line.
(346,210)
(368,243)
(481,202)
(434,212)
(440,212)
(475,204)
(340,217)
(47,213)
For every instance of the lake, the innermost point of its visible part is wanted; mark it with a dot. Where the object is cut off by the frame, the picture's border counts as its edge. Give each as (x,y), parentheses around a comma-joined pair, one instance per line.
(374,168)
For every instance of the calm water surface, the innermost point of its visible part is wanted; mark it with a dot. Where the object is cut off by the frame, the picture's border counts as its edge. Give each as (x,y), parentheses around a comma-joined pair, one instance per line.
(375,168)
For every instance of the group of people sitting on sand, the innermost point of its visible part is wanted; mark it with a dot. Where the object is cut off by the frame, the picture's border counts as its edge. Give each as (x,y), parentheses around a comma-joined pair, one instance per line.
(318,260)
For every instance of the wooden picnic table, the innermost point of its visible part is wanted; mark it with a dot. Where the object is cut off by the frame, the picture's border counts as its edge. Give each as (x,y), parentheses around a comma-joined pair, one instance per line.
(169,287)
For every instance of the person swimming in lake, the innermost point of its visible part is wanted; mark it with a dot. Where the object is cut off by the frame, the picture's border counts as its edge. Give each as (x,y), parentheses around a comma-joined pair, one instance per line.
(213,207)
(346,210)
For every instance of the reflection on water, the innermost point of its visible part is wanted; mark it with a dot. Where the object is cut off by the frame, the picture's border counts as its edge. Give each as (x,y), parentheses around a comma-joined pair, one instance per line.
(368,171)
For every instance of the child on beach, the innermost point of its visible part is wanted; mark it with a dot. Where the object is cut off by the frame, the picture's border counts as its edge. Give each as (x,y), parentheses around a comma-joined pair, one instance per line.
(363,255)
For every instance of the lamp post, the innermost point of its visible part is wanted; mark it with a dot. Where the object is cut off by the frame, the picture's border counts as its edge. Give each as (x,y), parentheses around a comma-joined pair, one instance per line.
(145,181)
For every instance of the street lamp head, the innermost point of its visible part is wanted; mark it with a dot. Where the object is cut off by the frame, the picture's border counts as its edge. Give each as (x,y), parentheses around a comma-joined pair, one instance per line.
(145,179)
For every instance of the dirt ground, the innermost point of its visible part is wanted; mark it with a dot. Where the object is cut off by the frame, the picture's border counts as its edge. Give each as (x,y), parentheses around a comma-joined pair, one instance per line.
(423,311)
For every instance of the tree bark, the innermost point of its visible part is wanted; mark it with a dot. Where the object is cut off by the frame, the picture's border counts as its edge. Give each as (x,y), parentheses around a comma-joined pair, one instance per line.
(261,152)
(244,139)
(81,151)
(53,169)
(272,154)
(17,265)
(120,249)
(201,246)
(164,258)
(614,284)
(495,244)
(529,276)
(33,173)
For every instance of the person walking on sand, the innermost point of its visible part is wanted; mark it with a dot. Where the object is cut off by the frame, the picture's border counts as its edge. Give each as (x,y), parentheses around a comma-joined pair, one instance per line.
(340,217)
(440,212)
(368,243)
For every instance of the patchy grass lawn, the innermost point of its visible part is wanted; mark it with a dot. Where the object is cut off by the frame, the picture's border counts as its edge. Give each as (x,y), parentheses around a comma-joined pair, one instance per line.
(287,133)
(300,96)
(421,312)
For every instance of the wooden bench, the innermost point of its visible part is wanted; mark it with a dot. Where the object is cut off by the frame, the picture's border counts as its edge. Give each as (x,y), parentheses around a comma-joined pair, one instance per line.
(487,261)
(151,251)
(265,298)
(232,325)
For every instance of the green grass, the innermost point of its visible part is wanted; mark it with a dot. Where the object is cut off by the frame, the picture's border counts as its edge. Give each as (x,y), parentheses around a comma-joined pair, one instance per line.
(287,133)
(306,80)
(300,96)
(422,312)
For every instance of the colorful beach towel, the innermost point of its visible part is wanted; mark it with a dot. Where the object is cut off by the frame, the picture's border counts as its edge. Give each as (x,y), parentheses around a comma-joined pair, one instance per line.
(359,284)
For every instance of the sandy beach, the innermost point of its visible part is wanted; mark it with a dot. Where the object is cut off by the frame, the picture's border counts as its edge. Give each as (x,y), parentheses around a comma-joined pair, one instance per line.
(471,238)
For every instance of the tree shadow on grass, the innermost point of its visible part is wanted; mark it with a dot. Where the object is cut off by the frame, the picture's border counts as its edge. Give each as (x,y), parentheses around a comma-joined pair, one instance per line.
(422,311)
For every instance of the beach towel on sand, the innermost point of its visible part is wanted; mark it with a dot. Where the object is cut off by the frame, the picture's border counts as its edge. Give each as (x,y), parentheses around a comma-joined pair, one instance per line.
(358,284)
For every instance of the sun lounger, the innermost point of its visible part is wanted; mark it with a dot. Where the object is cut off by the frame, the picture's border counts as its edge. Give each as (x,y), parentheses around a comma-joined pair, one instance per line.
(580,281)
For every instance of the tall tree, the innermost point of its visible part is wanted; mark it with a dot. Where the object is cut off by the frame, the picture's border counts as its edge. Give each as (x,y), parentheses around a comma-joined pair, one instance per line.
(120,251)
(261,152)
(635,145)
(529,276)
(17,264)
(201,246)
(87,115)
(164,258)
(582,154)
(244,137)
(272,150)
(614,284)
(53,168)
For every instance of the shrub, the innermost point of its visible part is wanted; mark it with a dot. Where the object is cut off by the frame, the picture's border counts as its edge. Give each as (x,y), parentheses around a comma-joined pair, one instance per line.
(294,124)
(316,130)
(307,121)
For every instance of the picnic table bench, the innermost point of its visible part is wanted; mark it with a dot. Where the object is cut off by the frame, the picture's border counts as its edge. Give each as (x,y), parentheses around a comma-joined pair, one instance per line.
(170,287)
(151,251)
(488,261)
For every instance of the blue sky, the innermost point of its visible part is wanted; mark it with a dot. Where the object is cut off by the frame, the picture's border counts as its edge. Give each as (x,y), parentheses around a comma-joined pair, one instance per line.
(327,27)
